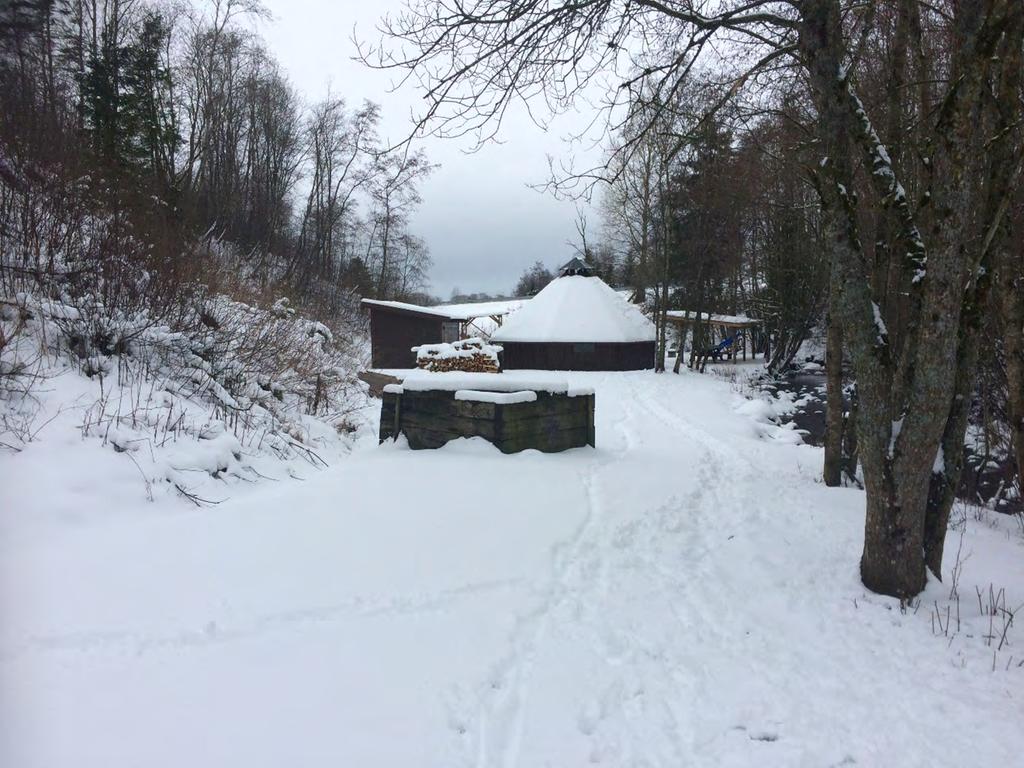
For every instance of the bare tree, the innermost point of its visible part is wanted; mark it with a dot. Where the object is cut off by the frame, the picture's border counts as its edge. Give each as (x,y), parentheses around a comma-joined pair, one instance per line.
(341,149)
(394,192)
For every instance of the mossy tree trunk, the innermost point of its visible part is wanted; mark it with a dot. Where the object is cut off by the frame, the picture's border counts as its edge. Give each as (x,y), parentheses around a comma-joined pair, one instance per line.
(914,387)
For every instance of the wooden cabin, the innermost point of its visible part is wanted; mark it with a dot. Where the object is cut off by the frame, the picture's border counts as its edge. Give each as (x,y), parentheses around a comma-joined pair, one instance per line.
(577,323)
(396,327)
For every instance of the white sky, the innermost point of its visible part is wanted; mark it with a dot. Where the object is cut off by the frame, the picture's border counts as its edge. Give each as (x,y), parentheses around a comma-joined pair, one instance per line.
(481,221)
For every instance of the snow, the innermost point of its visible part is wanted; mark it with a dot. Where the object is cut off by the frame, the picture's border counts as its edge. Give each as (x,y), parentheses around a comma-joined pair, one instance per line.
(501,398)
(461,348)
(478,316)
(686,593)
(453,311)
(477,309)
(882,333)
(510,381)
(894,434)
(165,406)
(464,349)
(685,314)
(577,309)
(406,307)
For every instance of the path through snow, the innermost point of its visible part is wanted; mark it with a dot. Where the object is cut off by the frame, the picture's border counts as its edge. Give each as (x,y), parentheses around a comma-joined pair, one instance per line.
(686,594)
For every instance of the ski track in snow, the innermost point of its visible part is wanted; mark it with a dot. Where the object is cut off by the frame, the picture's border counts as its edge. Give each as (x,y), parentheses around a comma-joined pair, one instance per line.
(501,711)
(581,571)
(214,632)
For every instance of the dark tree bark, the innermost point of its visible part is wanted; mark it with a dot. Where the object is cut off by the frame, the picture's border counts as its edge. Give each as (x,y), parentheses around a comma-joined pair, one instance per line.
(1013,346)
(833,471)
(914,394)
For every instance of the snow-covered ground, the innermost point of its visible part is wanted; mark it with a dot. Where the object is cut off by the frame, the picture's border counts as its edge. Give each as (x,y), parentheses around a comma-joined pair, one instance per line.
(685,594)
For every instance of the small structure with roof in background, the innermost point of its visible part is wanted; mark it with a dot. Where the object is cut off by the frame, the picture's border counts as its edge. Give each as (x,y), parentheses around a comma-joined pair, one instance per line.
(733,331)
(396,327)
(577,323)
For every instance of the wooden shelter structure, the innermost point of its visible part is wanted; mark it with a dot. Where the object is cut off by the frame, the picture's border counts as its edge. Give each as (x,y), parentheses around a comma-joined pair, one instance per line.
(735,325)
(396,327)
(577,323)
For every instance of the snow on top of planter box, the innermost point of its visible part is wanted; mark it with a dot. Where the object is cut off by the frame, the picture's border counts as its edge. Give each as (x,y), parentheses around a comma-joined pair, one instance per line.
(575,308)
(453,381)
(580,391)
(499,398)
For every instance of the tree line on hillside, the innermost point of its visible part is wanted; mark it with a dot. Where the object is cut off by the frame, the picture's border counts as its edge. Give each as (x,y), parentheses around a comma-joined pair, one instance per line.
(174,121)
(791,156)
(178,223)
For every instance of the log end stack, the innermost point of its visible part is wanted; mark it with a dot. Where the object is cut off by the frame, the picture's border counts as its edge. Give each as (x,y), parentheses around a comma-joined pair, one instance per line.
(468,355)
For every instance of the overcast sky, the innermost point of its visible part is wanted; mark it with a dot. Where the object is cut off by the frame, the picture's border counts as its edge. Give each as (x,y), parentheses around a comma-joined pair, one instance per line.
(481,221)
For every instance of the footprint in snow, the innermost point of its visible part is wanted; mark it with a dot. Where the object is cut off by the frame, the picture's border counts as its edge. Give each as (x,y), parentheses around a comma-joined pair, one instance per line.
(765,736)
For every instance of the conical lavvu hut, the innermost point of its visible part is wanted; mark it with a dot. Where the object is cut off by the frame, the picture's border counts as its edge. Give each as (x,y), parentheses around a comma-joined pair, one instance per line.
(577,323)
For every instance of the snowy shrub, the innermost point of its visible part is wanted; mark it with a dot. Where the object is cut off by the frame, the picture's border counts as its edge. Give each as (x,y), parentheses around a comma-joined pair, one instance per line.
(189,363)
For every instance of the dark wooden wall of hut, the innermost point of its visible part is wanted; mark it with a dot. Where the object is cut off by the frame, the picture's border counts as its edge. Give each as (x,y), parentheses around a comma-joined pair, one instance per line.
(393,334)
(573,356)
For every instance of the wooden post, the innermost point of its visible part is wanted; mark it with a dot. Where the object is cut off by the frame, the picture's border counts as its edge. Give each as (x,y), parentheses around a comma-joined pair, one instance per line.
(398,417)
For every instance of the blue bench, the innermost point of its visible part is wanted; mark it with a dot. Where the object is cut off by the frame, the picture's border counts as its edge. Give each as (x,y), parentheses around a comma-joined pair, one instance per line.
(722,348)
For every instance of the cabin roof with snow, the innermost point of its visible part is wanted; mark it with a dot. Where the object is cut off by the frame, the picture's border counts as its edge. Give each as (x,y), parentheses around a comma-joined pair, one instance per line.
(462,312)
(477,309)
(576,308)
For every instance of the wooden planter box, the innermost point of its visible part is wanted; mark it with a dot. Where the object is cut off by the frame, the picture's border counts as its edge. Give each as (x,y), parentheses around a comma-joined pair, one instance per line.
(429,419)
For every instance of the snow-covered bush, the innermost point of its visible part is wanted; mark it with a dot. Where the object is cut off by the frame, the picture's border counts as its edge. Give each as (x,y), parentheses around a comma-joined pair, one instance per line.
(184,352)
(241,380)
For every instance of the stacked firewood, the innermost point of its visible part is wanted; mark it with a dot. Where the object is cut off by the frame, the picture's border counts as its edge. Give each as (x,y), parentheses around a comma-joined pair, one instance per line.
(469,355)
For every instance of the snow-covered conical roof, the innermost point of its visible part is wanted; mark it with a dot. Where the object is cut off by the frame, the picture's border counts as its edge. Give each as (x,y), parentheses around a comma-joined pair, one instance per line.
(576,308)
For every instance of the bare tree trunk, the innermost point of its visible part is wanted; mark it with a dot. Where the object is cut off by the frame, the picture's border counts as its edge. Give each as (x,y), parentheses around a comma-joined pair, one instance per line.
(833,470)
(893,558)
(1015,379)
(914,390)
(681,338)
(850,447)
(1012,306)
